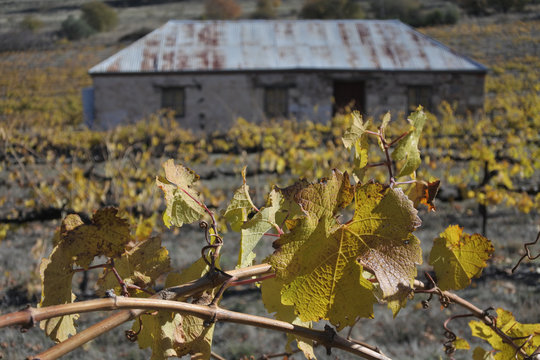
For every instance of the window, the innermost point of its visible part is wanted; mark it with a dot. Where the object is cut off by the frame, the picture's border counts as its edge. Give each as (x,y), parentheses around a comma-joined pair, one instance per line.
(419,95)
(173,98)
(276,101)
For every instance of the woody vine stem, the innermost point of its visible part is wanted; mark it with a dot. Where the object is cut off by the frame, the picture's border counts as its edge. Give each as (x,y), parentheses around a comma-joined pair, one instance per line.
(162,300)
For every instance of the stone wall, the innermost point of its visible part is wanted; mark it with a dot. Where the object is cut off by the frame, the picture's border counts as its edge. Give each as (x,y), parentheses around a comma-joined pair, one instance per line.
(214,101)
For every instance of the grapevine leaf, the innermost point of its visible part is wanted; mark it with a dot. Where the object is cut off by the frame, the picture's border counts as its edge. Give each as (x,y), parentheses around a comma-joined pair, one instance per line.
(422,192)
(240,206)
(306,346)
(271,297)
(357,137)
(256,227)
(197,336)
(160,332)
(384,123)
(139,266)
(481,354)
(320,261)
(144,227)
(407,148)
(107,235)
(461,344)
(382,129)
(78,243)
(457,257)
(69,223)
(170,334)
(317,260)
(183,202)
(56,273)
(383,223)
(507,323)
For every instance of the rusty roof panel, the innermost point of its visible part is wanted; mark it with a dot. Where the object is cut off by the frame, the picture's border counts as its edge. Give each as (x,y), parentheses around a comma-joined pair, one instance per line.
(386,45)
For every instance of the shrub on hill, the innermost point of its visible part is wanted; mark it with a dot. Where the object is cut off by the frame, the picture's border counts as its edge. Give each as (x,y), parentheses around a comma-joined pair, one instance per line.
(99,16)
(76,29)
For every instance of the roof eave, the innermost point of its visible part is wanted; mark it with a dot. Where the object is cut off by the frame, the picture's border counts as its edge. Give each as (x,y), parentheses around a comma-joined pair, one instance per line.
(482,70)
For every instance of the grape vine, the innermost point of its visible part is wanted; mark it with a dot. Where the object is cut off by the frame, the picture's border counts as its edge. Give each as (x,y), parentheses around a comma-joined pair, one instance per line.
(342,245)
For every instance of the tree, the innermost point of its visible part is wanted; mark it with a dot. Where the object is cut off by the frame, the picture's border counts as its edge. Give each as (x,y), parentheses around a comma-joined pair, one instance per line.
(99,16)
(331,9)
(222,9)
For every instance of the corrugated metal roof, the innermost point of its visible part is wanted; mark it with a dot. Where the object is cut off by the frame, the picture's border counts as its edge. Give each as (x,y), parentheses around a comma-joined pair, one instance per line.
(386,45)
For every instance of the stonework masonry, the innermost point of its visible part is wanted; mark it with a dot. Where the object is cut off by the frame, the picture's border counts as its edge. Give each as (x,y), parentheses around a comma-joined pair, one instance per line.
(213,101)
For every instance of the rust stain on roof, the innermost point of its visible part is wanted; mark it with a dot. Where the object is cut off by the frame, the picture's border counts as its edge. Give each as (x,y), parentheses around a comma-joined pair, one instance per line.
(387,45)
(114,66)
(208,35)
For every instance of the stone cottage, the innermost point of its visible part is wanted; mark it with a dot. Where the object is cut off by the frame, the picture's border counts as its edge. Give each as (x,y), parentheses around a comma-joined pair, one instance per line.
(211,72)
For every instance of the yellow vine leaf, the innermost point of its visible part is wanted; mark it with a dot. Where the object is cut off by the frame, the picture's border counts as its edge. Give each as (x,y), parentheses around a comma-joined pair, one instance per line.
(271,297)
(254,229)
(3,231)
(144,226)
(461,344)
(197,338)
(457,257)
(139,266)
(183,202)
(382,224)
(529,335)
(159,331)
(174,335)
(384,123)
(407,148)
(77,243)
(481,354)
(320,261)
(107,235)
(422,192)
(356,137)
(56,274)
(240,206)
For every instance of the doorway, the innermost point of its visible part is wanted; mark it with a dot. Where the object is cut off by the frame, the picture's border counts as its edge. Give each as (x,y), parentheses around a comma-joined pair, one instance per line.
(349,95)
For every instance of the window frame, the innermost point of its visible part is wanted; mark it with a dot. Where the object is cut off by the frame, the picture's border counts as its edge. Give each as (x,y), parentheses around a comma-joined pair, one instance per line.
(270,105)
(168,101)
